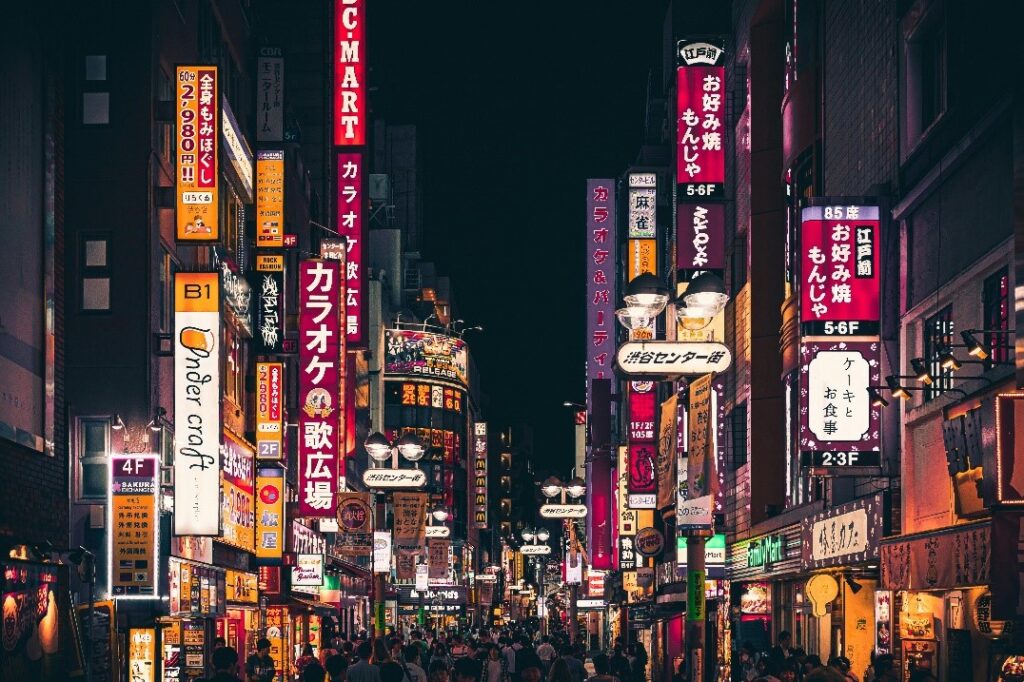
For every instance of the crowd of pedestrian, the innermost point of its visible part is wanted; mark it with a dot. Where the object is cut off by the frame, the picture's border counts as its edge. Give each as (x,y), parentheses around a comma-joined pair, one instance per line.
(785,663)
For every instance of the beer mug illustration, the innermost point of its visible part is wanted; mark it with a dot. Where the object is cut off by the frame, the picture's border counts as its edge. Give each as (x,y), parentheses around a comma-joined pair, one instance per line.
(199,341)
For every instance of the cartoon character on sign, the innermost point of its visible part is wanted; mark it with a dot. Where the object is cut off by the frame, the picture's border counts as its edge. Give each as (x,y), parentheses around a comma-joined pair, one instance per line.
(318,403)
(821,589)
(197,226)
(641,469)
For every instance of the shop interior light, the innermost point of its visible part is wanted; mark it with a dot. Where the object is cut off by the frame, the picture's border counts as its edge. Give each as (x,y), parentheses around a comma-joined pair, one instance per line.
(410,446)
(378,446)
(898,391)
(647,291)
(974,347)
(876,398)
(706,290)
(948,360)
(921,370)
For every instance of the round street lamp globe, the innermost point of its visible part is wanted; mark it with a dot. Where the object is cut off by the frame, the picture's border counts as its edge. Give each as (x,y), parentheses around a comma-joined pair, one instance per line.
(706,290)
(543,535)
(377,446)
(576,488)
(527,535)
(551,487)
(410,446)
(647,291)
(440,514)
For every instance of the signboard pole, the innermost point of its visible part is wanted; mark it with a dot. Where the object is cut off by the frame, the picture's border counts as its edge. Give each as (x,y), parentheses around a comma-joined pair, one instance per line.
(696,615)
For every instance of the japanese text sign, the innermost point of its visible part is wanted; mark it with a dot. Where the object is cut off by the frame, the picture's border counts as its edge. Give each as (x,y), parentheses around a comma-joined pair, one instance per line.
(671,358)
(270,199)
(643,204)
(268,284)
(700,236)
(839,278)
(849,533)
(700,478)
(355,524)
(838,424)
(410,520)
(601,249)
(133,525)
(350,102)
(238,511)
(196,171)
(197,403)
(270,95)
(700,128)
(269,410)
(642,447)
(351,223)
(269,513)
(480,474)
(320,372)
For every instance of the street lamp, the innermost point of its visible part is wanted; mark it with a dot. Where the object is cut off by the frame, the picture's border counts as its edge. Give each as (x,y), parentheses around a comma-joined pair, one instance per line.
(440,514)
(647,291)
(380,450)
(552,488)
(707,292)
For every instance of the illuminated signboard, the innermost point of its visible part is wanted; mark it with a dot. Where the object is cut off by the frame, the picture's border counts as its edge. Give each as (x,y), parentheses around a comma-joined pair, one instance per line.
(480,474)
(642,445)
(269,410)
(196,171)
(839,291)
(239,518)
(268,285)
(643,200)
(270,199)
(426,355)
(351,223)
(132,527)
(350,102)
(600,302)
(700,128)
(269,502)
(197,403)
(320,373)
(839,427)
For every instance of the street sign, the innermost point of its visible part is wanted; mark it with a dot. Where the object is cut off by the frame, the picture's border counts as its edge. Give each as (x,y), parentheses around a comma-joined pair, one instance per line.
(534,550)
(642,501)
(563,511)
(394,478)
(438,531)
(672,358)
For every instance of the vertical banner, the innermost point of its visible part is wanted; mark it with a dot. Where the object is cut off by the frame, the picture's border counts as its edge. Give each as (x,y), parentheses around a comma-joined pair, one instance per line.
(437,558)
(349,101)
(700,236)
(269,410)
(196,403)
(355,524)
(600,518)
(700,444)
(320,371)
(410,512)
(643,482)
(132,527)
(237,482)
(197,172)
(700,129)
(351,223)
(480,475)
(336,249)
(643,202)
(269,513)
(270,199)
(840,288)
(142,655)
(381,551)
(667,439)
(695,595)
(627,517)
(268,285)
(601,250)
(270,95)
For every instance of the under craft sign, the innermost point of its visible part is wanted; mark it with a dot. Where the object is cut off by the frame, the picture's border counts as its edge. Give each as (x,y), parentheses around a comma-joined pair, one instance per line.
(672,358)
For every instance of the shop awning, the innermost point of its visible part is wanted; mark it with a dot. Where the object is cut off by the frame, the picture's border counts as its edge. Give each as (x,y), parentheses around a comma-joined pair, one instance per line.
(943,559)
(348,567)
(319,608)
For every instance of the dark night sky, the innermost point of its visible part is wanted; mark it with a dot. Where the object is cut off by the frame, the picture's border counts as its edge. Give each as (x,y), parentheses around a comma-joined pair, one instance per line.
(516,105)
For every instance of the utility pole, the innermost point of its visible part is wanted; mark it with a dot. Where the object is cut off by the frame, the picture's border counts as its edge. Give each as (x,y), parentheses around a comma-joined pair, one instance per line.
(696,616)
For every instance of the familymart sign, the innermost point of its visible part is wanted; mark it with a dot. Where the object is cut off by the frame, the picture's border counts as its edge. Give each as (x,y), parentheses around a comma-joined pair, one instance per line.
(765,551)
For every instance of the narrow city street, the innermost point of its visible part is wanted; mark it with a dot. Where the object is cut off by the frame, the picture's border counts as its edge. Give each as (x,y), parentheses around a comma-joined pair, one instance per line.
(466,341)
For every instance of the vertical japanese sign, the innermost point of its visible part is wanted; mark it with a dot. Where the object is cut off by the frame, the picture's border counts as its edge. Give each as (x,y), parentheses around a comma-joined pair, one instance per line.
(198,141)
(320,372)
(381,551)
(627,518)
(700,236)
(410,514)
(351,223)
(269,410)
(437,558)
(197,403)
(642,256)
(700,475)
(839,292)
(700,129)
(667,453)
(601,249)
(350,103)
(268,285)
(132,527)
(355,524)
(237,483)
(643,481)
(270,199)
(838,425)
(480,474)
(269,513)
(270,95)
(643,200)
(142,655)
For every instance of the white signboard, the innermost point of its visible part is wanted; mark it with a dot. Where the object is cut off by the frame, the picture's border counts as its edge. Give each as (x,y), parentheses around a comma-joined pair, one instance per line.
(394,478)
(438,531)
(563,511)
(695,513)
(308,570)
(838,410)
(534,550)
(642,501)
(590,603)
(197,504)
(840,535)
(671,358)
(574,570)
(643,180)
(642,205)
(422,579)
(381,551)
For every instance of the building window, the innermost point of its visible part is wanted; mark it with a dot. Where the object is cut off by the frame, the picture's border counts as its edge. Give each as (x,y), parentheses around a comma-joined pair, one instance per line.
(166,290)
(96,67)
(938,335)
(95,269)
(93,449)
(738,435)
(996,311)
(925,68)
(95,96)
